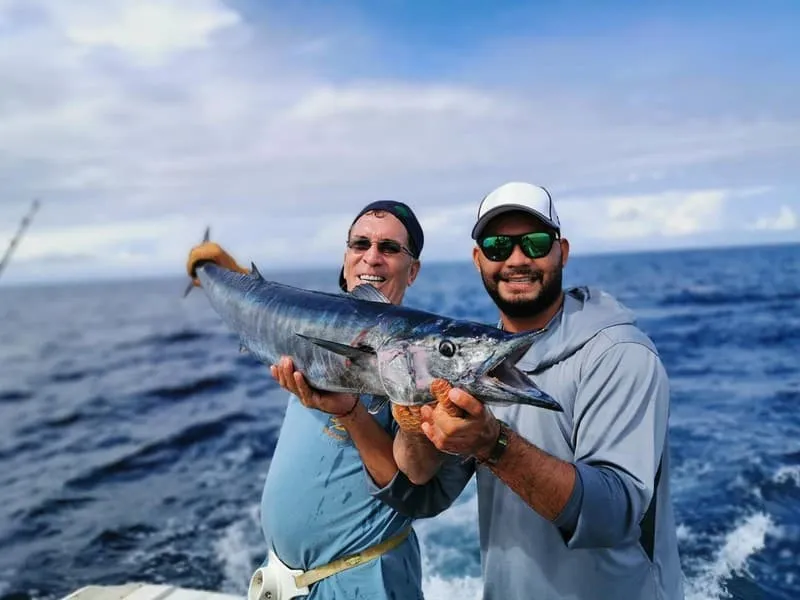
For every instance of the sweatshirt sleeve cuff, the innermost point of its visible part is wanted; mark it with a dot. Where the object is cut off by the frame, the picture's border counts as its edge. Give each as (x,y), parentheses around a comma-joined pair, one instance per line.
(374,489)
(604,516)
(567,520)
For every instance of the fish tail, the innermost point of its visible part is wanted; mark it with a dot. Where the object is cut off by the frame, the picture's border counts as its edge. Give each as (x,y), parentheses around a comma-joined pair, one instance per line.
(191,285)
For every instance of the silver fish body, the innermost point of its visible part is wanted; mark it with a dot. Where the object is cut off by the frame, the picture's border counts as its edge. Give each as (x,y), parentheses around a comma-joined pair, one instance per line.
(360,343)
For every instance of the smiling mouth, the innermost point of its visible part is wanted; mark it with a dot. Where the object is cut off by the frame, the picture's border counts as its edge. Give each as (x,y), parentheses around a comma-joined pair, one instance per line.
(521,281)
(373,279)
(520,277)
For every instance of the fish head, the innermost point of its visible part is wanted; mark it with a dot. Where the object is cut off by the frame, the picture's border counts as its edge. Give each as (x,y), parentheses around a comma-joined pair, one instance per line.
(478,358)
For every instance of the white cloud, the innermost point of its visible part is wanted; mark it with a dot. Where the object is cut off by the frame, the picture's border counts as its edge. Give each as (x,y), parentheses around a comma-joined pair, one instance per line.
(389,100)
(119,113)
(666,214)
(785,220)
(438,221)
(93,240)
(148,30)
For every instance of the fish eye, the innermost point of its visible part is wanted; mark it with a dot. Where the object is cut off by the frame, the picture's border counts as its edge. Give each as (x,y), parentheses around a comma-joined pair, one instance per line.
(447,348)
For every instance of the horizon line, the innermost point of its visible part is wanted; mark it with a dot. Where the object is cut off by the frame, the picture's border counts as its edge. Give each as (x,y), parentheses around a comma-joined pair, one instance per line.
(114,278)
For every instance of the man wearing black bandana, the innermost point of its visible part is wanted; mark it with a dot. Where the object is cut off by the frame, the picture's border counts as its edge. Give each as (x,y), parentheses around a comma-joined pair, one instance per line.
(317,507)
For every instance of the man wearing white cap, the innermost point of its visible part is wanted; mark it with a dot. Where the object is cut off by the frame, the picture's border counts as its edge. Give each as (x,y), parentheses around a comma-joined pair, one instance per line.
(572,504)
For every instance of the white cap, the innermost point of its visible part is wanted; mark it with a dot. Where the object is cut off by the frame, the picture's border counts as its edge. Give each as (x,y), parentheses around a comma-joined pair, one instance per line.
(517,196)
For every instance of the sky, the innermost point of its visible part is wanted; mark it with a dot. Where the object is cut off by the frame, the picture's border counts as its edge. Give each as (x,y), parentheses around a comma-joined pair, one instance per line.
(139,123)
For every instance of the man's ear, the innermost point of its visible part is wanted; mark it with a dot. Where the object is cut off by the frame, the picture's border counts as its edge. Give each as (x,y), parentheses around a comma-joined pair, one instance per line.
(564,242)
(476,258)
(413,271)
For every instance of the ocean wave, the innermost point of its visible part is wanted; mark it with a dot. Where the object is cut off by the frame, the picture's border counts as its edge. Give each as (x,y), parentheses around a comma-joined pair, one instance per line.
(712,296)
(17,395)
(159,340)
(240,549)
(197,387)
(54,506)
(123,538)
(788,474)
(71,376)
(149,458)
(440,588)
(18,447)
(738,547)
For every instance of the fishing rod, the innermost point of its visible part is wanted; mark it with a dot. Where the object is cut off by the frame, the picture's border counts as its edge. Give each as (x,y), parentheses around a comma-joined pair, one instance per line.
(15,240)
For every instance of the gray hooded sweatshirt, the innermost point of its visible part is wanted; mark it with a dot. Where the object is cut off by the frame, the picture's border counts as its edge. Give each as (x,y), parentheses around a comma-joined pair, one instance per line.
(616,537)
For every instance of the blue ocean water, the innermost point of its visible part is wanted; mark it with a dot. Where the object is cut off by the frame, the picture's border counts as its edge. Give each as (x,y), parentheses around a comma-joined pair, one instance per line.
(135,438)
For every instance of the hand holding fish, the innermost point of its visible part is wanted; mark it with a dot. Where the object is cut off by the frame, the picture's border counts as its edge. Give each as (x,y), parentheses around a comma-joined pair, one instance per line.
(414,453)
(473,433)
(294,382)
(409,418)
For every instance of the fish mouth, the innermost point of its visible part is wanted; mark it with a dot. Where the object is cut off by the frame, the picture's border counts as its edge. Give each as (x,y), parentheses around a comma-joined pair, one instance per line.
(503,383)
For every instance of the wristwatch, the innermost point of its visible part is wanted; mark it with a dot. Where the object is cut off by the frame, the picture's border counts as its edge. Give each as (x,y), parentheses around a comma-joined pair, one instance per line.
(500,445)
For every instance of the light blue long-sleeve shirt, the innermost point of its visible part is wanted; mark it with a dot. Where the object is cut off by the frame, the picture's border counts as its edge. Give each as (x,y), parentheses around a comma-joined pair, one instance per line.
(316,506)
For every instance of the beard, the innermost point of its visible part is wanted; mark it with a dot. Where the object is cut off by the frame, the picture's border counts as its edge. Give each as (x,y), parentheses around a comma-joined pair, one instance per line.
(530,307)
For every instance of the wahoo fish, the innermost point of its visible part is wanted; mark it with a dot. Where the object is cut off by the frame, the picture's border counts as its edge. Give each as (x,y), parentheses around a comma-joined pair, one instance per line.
(360,343)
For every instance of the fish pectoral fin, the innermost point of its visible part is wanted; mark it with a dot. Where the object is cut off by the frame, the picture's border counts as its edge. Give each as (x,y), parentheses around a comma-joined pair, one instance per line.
(351,352)
(376,404)
(366,291)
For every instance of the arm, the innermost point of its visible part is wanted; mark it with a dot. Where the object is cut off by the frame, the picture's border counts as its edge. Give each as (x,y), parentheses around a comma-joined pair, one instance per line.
(416,457)
(432,497)
(544,482)
(374,445)
(621,414)
(428,481)
(620,426)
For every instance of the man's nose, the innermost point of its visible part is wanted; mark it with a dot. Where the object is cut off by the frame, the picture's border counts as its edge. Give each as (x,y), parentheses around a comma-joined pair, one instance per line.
(517,256)
(373,255)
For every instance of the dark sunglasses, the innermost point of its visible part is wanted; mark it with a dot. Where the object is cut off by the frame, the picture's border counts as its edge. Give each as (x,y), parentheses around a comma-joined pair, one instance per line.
(386,247)
(498,248)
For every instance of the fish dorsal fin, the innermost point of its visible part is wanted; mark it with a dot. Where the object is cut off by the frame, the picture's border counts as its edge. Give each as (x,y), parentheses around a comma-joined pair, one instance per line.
(365,291)
(255,272)
(351,352)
